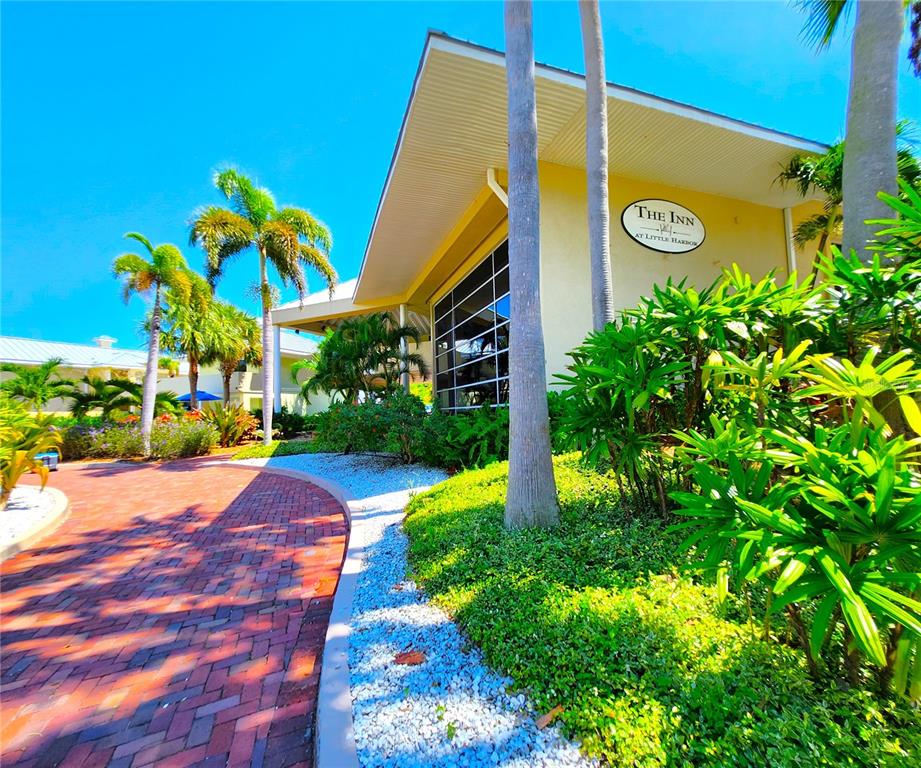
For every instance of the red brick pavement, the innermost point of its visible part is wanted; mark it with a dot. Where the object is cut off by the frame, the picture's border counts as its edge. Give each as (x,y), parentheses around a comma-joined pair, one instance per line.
(176,618)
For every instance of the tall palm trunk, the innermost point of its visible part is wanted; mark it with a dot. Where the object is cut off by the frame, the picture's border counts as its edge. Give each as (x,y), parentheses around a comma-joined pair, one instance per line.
(596,164)
(149,396)
(870,158)
(226,373)
(193,383)
(268,352)
(531,498)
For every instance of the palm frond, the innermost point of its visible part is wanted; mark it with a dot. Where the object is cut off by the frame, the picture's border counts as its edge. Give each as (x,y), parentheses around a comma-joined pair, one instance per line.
(307,226)
(811,229)
(222,234)
(318,260)
(254,203)
(823,18)
(282,248)
(141,239)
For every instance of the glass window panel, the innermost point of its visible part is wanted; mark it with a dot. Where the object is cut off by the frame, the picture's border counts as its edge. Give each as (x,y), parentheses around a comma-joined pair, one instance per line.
(444,381)
(466,333)
(444,325)
(502,282)
(478,394)
(503,308)
(476,278)
(468,371)
(481,298)
(500,256)
(479,370)
(446,399)
(502,337)
(503,391)
(502,364)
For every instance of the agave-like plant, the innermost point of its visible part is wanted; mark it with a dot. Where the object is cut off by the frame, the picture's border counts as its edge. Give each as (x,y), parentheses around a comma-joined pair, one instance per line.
(22,438)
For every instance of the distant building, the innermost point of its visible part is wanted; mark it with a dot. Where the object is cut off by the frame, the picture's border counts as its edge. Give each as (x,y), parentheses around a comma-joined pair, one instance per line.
(105,361)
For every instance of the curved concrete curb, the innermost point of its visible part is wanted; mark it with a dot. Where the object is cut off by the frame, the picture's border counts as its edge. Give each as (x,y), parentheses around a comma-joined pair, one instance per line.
(40,530)
(334,745)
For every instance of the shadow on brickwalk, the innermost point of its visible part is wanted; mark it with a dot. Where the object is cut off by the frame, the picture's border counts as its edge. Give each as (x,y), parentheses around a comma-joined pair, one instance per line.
(176,618)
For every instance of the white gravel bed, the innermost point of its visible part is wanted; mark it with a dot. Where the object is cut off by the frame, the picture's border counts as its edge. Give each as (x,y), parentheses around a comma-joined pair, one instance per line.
(27,509)
(451,710)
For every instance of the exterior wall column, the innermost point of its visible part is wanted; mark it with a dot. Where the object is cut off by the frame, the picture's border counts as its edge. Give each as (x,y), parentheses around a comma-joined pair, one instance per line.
(788,240)
(276,367)
(404,350)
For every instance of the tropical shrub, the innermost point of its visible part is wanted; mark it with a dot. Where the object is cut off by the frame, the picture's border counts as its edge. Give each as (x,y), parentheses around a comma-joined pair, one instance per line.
(170,439)
(783,421)
(363,355)
(354,428)
(287,423)
(232,423)
(22,437)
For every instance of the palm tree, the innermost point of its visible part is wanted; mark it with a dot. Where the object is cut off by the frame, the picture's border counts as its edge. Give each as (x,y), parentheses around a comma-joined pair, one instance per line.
(288,238)
(596,164)
(335,369)
(870,163)
(36,385)
(169,365)
(807,173)
(359,354)
(381,349)
(111,395)
(165,268)
(822,172)
(190,330)
(531,497)
(237,341)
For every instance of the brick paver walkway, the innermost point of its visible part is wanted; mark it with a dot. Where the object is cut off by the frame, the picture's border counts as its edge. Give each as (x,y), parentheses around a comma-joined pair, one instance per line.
(176,618)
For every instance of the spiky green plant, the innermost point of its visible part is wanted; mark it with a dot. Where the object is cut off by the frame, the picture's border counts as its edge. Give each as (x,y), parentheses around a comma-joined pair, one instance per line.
(35,385)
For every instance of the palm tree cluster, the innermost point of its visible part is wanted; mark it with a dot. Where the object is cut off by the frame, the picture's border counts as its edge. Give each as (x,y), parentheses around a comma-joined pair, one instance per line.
(186,319)
(364,355)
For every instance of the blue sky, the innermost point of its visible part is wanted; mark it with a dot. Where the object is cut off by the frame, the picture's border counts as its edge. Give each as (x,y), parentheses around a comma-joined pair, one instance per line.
(114,116)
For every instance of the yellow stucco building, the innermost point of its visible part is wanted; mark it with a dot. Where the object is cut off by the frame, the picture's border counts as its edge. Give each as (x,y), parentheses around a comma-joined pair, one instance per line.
(691,192)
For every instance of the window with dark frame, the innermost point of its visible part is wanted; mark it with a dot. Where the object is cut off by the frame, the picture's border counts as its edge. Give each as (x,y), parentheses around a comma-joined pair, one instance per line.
(471,337)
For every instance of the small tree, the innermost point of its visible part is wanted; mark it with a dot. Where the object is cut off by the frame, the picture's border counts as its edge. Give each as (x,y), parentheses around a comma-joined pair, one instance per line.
(164,269)
(191,330)
(36,386)
(238,340)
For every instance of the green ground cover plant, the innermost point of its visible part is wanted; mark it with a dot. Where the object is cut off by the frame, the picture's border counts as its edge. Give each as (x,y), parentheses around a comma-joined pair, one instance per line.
(650,666)
(278,448)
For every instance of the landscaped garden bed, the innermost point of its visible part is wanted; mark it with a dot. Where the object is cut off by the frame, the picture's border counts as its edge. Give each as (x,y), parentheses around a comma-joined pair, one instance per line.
(598,618)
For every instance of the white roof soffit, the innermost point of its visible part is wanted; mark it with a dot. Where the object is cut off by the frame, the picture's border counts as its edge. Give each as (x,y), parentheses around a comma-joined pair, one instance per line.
(455,128)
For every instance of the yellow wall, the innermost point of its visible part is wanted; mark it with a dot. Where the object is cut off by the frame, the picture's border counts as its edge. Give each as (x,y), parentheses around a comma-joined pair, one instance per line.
(736,231)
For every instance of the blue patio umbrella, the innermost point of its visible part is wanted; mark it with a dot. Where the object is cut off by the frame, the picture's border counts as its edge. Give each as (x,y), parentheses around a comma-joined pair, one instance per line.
(200,395)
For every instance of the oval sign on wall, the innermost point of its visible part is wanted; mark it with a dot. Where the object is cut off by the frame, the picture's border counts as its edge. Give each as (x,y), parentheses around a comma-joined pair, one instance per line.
(664,226)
